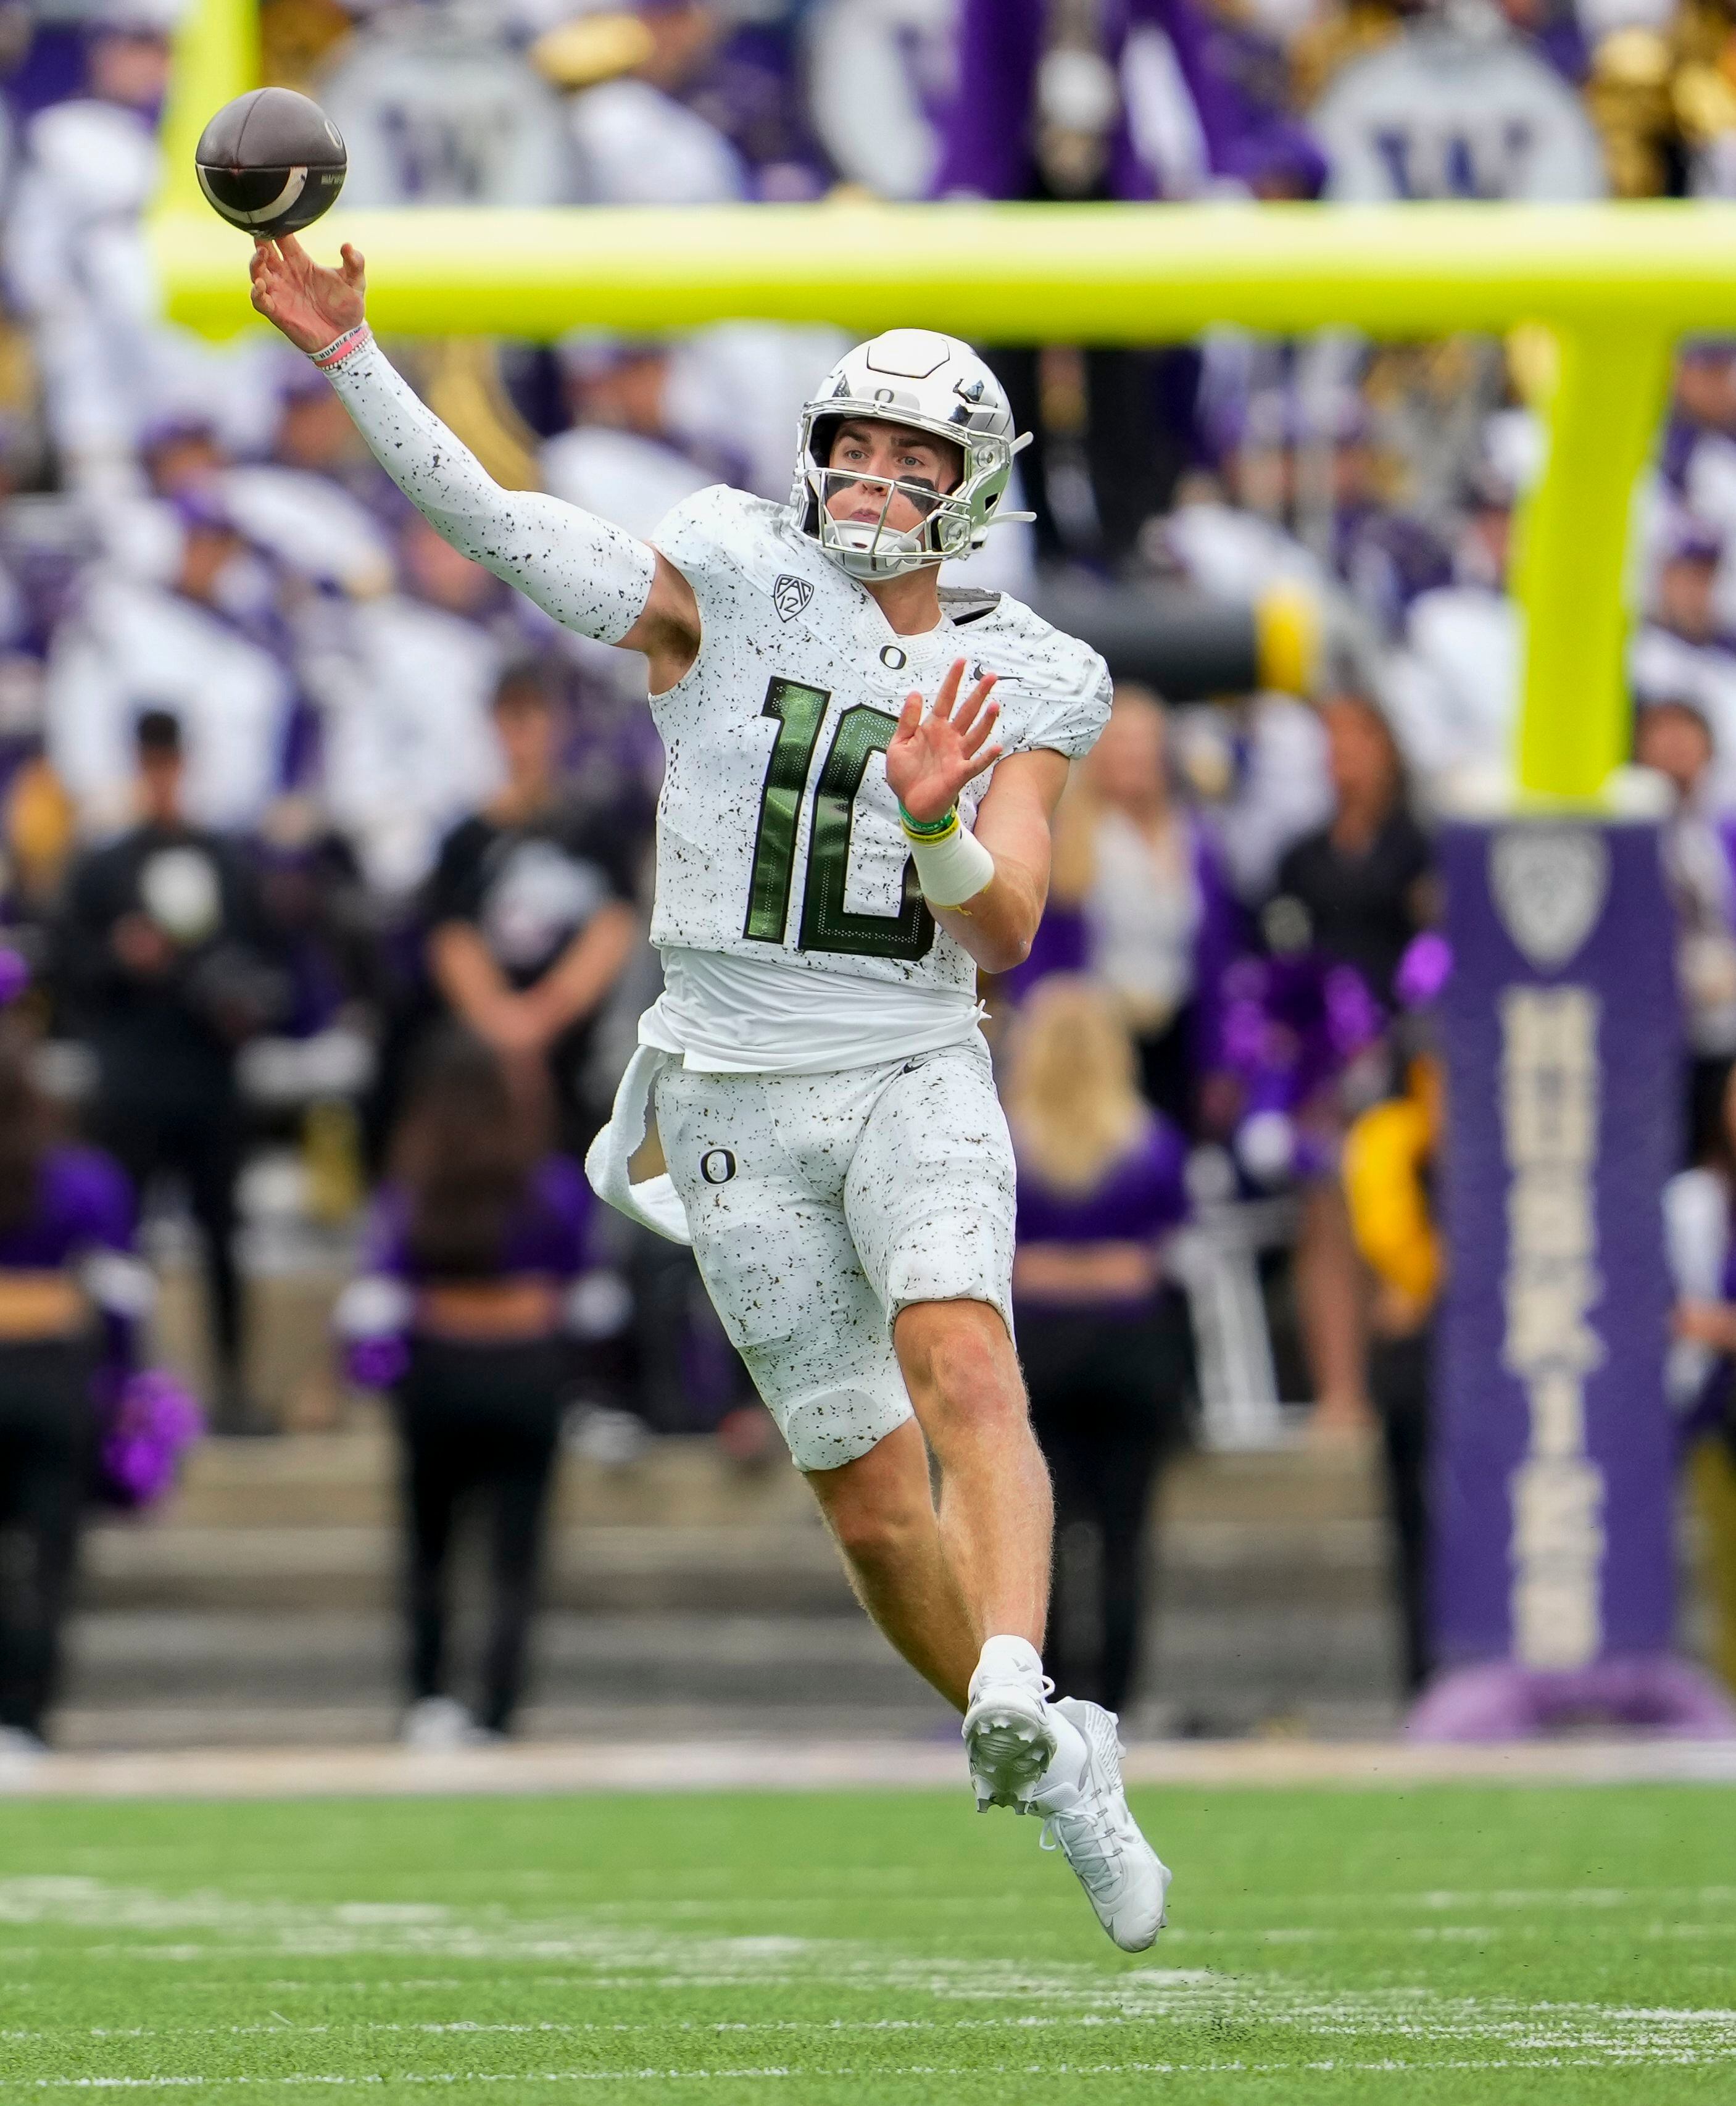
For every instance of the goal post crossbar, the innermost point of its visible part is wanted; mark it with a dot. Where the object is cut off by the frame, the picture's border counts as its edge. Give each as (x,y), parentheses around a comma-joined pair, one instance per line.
(1616,285)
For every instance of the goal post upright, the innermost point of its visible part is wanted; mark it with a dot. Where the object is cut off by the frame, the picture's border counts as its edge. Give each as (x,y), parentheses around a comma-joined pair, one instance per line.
(217,57)
(1572,561)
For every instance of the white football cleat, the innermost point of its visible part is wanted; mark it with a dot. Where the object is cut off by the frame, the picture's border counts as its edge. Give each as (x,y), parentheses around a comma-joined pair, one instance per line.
(1009,1738)
(1088,1820)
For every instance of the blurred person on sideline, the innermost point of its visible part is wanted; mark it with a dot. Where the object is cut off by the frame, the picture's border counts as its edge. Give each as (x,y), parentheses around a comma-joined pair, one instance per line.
(319,517)
(1365,879)
(176,624)
(1682,649)
(1102,1337)
(1672,738)
(1359,889)
(621,458)
(439,107)
(404,683)
(76,263)
(638,138)
(71,1294)
(460,1311)
(1140,899)
(532,908)
(1064,100)
(1455,104)
(1452,690)
(314,436)
(1389,1180)
(181,450)
(880,76)
(1700,1236)
(166,967)
(1697,461)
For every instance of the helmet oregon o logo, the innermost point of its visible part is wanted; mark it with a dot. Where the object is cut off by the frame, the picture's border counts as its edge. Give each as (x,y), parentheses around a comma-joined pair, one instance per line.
(717,1166)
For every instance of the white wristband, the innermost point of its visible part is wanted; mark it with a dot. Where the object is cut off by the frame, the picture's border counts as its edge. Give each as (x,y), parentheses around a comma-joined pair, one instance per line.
(953,869)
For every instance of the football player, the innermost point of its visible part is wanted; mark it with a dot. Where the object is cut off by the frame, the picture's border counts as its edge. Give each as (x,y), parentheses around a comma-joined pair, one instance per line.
(835,859)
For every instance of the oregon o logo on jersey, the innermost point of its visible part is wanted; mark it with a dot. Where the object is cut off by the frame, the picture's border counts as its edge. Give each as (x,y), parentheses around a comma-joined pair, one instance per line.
(717,1166)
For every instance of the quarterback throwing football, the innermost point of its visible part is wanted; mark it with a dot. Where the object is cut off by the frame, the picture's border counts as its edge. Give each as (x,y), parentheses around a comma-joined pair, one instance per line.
(835,859)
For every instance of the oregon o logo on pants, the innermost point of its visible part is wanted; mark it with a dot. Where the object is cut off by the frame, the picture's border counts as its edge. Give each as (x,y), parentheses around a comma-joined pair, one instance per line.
(717,1166)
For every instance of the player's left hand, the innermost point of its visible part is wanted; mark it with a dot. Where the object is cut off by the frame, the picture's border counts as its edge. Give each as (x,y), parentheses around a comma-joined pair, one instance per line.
(932,757)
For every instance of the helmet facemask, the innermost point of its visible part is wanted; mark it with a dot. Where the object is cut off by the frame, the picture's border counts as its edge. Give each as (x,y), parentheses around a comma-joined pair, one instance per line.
(873,547)
(948,524)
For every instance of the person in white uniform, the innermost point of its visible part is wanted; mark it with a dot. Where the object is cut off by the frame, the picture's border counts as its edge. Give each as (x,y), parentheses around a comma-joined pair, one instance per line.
(835,859)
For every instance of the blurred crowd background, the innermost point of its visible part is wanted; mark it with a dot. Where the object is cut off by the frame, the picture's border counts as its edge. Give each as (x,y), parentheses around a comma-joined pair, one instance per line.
(290,793)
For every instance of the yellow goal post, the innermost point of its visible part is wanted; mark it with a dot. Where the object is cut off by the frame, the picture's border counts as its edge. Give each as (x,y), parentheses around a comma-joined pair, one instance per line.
(1615,286)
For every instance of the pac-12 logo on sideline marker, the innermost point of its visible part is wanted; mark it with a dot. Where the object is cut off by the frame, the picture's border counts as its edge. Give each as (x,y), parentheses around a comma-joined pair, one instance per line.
(717,1166)
(790,595)
(1550,885)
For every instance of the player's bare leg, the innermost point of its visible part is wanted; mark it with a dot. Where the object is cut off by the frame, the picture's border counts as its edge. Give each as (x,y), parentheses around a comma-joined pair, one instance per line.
(881,1513)
(996,1513)
(996,1519)
(940,1584)
(1061,1760)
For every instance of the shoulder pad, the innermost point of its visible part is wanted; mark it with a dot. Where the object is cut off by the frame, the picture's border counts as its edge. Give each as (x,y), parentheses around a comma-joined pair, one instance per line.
(728,519)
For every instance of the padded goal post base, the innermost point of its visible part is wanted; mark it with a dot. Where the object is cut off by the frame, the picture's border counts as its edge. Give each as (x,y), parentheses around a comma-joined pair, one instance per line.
(1553,1473)
(1644,1692)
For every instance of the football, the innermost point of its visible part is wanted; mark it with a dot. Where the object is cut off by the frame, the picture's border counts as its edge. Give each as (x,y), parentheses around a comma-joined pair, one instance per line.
(270,162)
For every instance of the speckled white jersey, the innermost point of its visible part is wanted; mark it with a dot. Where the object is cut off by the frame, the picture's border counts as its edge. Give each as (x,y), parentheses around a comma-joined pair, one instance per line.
(778,836)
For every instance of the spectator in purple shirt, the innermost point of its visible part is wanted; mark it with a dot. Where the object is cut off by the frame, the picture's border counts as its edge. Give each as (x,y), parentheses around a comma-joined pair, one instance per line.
(461,1312)
(1104,1339)
(71,1291)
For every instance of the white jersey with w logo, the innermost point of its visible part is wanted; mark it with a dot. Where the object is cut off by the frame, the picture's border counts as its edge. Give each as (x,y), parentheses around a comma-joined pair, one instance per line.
(778,841)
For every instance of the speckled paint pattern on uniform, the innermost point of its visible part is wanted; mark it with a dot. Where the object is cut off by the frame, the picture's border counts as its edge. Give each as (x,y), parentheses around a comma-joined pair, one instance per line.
(588,575)
(763,637)
(821,1205)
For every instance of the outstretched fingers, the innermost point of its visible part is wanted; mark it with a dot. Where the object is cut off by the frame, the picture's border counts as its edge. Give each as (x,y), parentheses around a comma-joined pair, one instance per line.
(264,272)
(977,736)
(911,715)
(947,693)
(972,708)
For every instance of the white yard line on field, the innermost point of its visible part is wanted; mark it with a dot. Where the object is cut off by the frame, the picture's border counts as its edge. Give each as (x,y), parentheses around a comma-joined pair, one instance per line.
(1334,2065)
(602,1949)
(820,1765)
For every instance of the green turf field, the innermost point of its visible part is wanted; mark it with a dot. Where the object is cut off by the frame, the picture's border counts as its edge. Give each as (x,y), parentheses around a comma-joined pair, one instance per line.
(1446,1944)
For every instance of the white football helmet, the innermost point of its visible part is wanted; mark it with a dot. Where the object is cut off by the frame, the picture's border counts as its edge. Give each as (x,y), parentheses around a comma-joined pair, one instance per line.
(931,383)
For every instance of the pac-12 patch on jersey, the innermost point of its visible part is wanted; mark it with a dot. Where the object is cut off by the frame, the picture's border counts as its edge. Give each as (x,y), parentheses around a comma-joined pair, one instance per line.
(778,836)
(790,595)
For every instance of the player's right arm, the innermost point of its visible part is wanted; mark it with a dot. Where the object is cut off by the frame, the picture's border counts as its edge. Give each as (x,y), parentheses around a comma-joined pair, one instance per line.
(588,574)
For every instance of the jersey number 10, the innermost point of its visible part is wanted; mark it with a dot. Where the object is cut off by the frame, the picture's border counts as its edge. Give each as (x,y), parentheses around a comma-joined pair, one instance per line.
(827,924)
